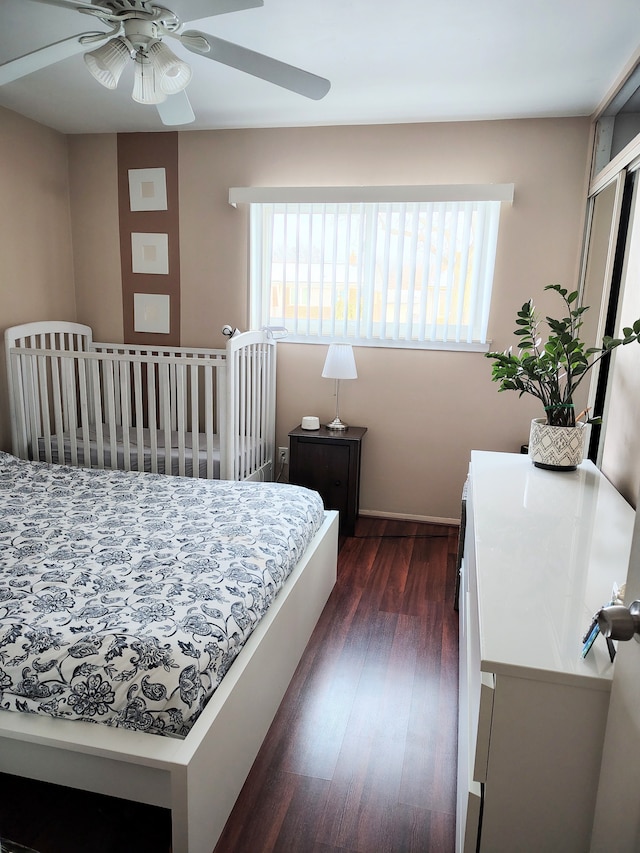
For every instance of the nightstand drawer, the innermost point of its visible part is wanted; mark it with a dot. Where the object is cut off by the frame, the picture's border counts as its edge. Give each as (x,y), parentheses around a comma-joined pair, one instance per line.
(324,468)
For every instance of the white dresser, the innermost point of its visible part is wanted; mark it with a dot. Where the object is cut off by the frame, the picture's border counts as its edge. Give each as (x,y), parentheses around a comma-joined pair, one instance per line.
(542,552)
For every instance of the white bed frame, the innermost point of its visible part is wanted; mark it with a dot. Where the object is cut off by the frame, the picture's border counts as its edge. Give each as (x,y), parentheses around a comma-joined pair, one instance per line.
(200,777)
(142,408)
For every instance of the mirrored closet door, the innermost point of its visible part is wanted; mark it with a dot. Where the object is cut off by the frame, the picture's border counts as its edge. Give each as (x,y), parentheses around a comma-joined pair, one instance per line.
(610,285)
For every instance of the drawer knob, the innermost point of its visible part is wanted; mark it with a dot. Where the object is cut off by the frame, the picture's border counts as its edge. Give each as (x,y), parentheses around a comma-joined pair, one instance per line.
(338,483)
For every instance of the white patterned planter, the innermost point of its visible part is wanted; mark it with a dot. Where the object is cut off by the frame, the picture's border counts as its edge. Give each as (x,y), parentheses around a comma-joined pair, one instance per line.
(556,448)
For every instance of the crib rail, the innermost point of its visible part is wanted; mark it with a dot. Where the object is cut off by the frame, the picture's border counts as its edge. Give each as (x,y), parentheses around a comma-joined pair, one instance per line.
(192,412)
(164,414)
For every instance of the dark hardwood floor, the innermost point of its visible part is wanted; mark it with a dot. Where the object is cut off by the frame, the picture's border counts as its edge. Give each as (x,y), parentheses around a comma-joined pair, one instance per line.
(361,757)
(362,754)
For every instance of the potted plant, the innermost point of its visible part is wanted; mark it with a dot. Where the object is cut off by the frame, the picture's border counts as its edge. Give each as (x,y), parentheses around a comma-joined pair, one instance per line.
(552,371)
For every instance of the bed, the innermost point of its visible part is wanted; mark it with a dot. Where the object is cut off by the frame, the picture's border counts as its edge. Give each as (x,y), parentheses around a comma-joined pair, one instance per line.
(202,413)
(212,552)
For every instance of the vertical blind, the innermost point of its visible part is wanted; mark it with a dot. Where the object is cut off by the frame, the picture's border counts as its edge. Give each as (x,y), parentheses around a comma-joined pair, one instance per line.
(387,273)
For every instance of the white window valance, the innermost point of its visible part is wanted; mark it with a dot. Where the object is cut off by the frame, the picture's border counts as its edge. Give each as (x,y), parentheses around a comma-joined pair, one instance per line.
(357,194)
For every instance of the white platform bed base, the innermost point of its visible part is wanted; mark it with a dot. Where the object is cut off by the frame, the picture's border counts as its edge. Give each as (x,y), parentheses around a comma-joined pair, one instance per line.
(198,778)
(192,412)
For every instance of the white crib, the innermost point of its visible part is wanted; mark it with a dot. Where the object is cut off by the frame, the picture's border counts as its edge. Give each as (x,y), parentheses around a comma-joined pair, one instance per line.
(191,412)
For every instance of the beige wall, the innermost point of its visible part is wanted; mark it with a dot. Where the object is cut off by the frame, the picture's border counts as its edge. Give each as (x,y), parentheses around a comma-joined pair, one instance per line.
(93,180)
(425,410)
(36,266)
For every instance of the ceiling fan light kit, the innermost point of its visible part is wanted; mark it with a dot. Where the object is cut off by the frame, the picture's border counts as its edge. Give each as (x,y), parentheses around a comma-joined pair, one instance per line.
(108,61)
(137,29)
(173,74)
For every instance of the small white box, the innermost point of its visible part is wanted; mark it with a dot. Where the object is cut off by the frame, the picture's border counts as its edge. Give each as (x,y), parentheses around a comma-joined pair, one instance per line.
(309,422)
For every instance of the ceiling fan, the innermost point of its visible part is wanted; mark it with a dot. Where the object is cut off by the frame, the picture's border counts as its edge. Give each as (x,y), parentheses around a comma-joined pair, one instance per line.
(136,32)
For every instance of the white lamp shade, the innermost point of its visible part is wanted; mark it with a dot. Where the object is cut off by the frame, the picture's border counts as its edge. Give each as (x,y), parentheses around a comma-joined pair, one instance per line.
(340,363)
(172,74)
(145,83)
(108,61)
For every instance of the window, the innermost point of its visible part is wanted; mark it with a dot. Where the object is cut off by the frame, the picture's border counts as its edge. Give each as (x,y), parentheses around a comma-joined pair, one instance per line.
(384,272)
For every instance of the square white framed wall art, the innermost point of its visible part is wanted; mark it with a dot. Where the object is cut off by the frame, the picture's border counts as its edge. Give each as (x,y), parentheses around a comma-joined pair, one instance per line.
(151,313)
(147,189)
(150,253)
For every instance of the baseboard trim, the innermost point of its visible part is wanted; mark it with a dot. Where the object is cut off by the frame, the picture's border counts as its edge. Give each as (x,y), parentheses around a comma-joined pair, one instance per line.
(401,516)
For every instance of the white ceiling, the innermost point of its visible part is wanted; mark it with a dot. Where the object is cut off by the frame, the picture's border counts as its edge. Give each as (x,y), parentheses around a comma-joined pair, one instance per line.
(388,61)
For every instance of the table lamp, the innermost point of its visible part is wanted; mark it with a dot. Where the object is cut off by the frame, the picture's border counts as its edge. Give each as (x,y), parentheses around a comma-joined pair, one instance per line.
(339,364)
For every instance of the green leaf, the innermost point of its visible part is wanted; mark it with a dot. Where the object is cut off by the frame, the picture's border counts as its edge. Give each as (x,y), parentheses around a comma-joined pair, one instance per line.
(610,343)
(557,288)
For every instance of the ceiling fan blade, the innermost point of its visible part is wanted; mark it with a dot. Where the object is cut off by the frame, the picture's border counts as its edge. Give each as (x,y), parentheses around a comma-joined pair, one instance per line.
(194,10)
(41,58)
(67,4)
(176,110)
(257,64)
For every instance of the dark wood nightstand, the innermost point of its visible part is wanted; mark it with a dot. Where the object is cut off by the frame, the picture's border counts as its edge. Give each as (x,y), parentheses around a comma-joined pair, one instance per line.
(329,462)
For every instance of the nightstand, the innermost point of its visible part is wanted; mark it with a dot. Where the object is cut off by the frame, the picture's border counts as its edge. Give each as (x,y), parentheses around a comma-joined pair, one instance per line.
(329,462)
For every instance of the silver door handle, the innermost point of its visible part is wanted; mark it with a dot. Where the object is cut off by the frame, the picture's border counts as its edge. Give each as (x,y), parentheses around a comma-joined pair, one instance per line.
(618,622)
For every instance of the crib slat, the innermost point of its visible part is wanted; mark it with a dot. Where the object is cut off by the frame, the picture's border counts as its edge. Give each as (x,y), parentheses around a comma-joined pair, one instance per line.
(165,412)
(36,424)
(209,424)
(122,385)
(151,411)
(179,395)
(58,421)
(260,405)
(70,418)
(138,408)
(83,389)
(270,395)
(96,373)
(110,412)
(33,397)
(41,411)
(240,435)
(194,373)
(254,430)
(17,406)
(172,396)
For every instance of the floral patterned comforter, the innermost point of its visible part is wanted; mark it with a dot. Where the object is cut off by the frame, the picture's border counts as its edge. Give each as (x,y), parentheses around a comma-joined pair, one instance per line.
(125,597)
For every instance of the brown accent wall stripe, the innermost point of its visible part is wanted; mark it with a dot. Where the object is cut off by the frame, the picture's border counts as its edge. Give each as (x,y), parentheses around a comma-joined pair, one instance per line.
(149,151)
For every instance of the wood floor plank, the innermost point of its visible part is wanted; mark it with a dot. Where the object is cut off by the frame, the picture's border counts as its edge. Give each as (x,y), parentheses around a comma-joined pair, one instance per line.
(303,815)
(398,554)
(261,812)
(368,777)
(427,725)
(324,700)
